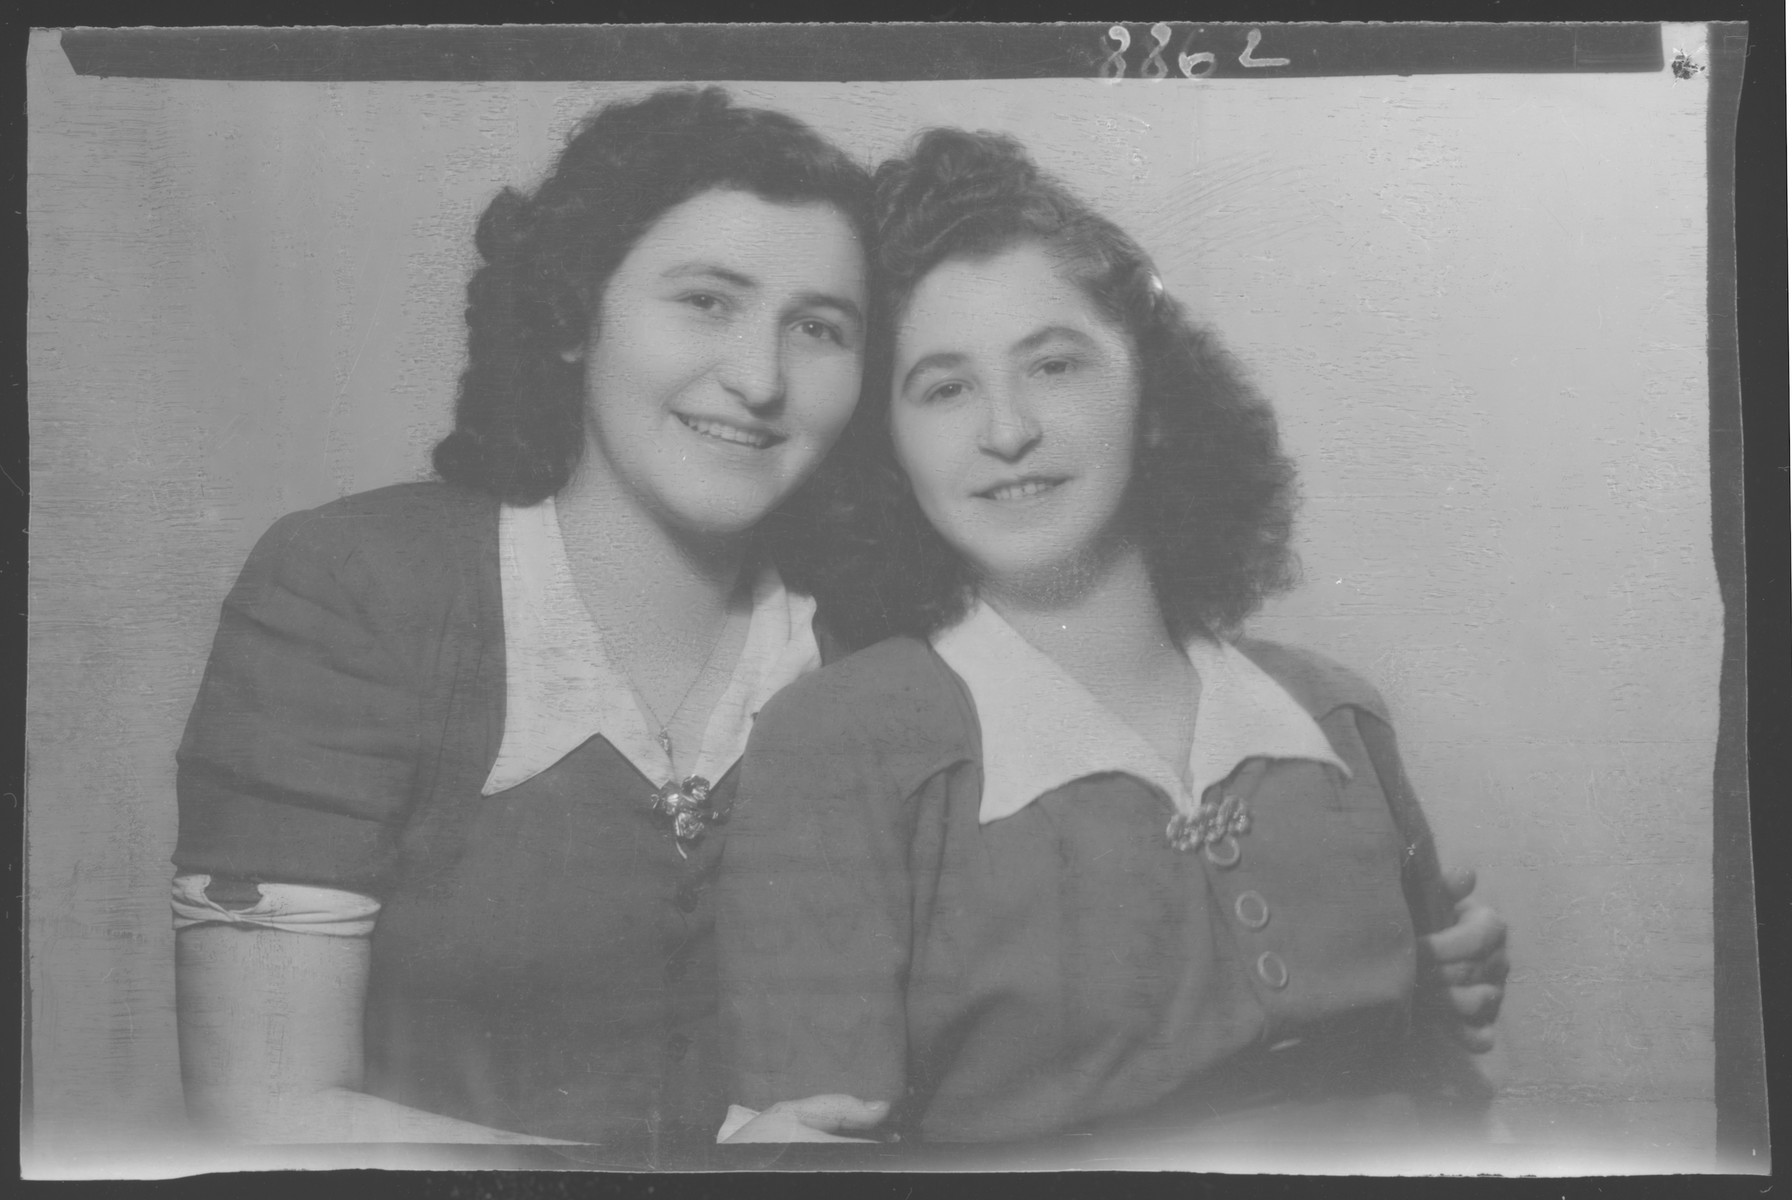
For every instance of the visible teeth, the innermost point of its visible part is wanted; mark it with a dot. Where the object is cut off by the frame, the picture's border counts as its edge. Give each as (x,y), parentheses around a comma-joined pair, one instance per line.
(728,433)
(1020,491)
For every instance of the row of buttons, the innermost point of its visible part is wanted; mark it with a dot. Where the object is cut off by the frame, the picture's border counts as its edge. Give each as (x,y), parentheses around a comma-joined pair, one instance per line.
(677,1044)
(684,900)
(1251,909)
(1253,913)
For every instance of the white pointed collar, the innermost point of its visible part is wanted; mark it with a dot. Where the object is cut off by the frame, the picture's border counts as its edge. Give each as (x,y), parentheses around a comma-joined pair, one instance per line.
(561,686)
(1041,729)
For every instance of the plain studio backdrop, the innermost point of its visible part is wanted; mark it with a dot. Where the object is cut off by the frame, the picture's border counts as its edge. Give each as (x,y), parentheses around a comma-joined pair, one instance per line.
(1477,301)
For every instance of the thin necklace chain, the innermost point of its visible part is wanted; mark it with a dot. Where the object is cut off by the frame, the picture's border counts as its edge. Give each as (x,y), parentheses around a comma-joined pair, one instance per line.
(664,737)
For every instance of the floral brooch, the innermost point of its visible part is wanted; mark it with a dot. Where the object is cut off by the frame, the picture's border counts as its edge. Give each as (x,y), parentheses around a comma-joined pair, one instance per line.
(1209,824)
(687,803)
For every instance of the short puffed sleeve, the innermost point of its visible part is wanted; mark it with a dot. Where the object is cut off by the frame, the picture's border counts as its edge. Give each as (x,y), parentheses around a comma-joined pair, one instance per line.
(298,758)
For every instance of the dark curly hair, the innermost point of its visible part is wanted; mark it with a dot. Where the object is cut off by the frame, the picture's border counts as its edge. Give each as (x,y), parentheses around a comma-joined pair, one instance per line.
(519,420)
(1212,496)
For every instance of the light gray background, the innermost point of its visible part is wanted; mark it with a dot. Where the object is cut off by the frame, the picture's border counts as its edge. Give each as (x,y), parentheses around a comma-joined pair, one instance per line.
(1477,301)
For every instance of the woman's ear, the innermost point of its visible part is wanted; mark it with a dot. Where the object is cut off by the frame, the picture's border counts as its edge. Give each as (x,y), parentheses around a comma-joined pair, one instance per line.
(573,354)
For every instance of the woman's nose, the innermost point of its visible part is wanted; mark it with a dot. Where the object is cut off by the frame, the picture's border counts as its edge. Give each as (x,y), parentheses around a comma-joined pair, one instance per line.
(753,367)
(1009,426)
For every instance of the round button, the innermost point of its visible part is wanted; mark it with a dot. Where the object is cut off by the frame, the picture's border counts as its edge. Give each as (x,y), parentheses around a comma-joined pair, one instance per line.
(677,1044)
(686,899)
(1272,970)
(1252,910)
(1224,852)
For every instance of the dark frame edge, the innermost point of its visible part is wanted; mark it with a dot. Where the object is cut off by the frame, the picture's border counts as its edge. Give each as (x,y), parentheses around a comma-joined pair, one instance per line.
(1740,1081)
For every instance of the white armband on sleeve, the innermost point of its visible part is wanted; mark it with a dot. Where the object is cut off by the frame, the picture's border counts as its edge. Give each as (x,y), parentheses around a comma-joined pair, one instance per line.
(297,908)
(738,1115)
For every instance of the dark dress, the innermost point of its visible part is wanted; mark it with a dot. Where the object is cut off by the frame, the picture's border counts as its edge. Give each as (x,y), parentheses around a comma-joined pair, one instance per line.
(543,960)
(1064,968)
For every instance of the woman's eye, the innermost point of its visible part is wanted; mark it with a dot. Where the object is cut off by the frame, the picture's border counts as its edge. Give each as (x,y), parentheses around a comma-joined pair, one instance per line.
(820,330)
(1056,366)
(946,391)
(702,301)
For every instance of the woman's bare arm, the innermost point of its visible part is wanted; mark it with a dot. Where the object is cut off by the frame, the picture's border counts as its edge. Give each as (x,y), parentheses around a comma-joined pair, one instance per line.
(270,1042)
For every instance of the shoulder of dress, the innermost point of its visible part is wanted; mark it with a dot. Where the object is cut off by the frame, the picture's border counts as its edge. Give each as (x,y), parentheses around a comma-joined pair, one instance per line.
(896,694)
(1320,684)
(401,510)
(402,526)
(404,551)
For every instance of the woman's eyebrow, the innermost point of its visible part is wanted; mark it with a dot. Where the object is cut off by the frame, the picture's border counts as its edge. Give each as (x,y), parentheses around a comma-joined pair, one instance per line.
(1040,337)
(942,359)
(711,270)
(748,283)
(848,307)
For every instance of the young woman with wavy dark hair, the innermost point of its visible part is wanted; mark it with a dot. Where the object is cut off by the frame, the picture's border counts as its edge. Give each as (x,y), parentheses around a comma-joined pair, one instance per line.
(448,791)
(1065,854)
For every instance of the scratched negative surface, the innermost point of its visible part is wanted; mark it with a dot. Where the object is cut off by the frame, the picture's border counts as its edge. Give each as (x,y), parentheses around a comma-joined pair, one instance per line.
(1475,290)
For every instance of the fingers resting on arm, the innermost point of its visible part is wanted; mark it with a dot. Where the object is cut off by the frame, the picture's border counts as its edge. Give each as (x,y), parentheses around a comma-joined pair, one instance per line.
(1467,962)
(826,1118)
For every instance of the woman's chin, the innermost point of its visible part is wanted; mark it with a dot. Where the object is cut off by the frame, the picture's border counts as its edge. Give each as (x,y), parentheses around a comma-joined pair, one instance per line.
(718,517)
(1048,578)
(1042,582)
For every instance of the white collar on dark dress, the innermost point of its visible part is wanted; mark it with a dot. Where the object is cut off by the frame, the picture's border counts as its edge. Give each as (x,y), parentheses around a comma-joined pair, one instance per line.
(561,686)
(1041,729)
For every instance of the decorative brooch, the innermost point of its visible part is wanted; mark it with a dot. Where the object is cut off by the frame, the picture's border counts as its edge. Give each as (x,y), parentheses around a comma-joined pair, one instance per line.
(1209,824)
(688,804)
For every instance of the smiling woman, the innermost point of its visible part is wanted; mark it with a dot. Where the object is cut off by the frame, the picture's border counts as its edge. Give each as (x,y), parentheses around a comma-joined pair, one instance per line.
(1070,861)
(724,360)
(993,353)
(448,789)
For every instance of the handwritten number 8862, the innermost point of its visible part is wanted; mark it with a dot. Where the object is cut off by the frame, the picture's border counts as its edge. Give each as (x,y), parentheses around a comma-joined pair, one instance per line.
(1193,66)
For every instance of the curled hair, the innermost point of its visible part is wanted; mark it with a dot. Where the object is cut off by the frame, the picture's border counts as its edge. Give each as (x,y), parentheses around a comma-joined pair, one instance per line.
(1212,496)
(519,419)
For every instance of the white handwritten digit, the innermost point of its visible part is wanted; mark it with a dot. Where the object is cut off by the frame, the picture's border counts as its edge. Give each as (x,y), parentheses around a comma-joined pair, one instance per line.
(1154,66)
(1187,63)
(1250,43)
(1115,66)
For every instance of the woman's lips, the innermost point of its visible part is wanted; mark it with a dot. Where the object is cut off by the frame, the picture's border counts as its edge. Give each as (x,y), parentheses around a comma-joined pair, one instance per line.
(727,431)
(1021,489)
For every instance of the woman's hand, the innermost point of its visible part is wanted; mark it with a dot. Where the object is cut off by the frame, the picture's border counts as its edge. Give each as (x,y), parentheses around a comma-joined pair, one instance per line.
(1467,963)
(812,1119)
